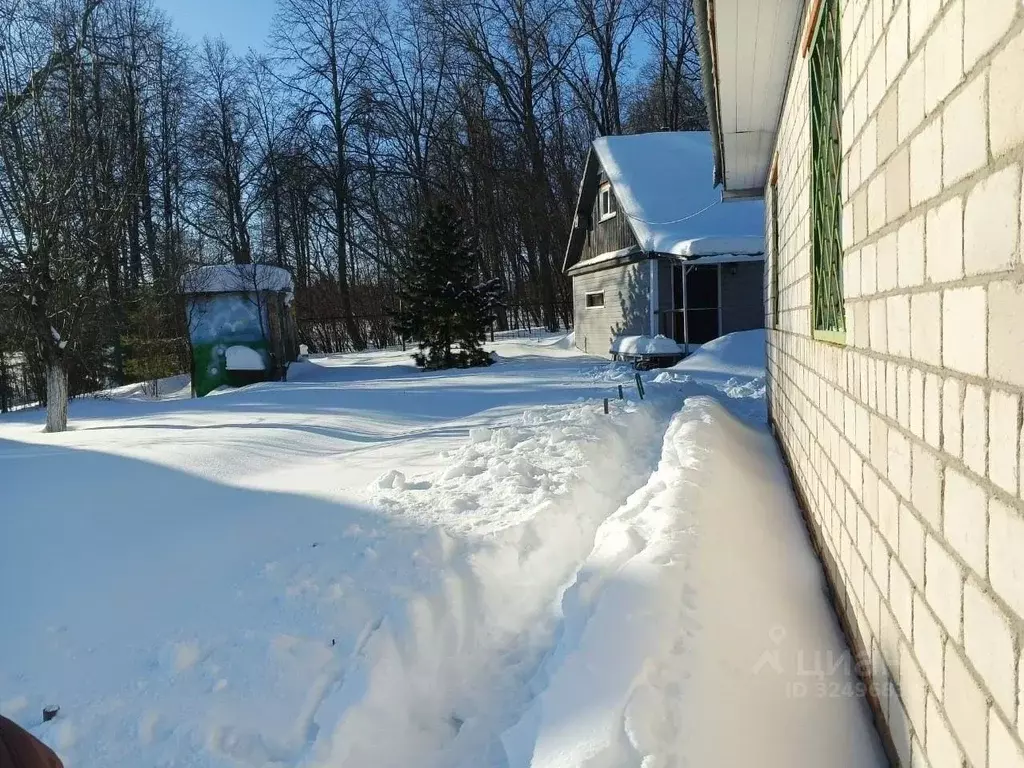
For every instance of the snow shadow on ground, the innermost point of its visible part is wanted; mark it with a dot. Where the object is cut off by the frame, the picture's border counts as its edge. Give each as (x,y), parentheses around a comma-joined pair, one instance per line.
(396,392)
(268,594)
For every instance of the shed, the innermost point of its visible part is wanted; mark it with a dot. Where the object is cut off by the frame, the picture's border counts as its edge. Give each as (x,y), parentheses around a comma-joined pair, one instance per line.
(241,324)
(656,252)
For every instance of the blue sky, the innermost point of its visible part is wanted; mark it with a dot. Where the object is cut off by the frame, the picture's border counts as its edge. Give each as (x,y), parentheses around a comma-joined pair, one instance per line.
(243,23)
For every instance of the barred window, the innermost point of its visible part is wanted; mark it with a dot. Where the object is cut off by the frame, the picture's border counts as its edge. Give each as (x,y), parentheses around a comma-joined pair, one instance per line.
(826,198)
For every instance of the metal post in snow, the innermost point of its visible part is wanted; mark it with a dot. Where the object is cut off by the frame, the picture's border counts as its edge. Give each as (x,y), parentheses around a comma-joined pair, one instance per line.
(606,405)
(620,393)
(401,335)
(639,386)
(686,314)
(652,295)
(720,330)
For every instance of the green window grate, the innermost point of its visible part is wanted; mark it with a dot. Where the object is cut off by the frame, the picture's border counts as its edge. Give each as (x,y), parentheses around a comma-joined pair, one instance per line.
(826,197)
(774,286)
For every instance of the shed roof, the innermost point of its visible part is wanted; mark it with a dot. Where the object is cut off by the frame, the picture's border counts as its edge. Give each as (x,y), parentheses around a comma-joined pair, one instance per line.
(236,278)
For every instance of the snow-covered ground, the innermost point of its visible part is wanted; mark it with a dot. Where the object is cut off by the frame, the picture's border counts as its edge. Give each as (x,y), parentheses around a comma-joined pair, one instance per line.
(373,566)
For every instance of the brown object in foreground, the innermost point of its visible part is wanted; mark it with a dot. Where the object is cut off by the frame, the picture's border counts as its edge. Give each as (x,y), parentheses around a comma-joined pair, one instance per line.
(20,749)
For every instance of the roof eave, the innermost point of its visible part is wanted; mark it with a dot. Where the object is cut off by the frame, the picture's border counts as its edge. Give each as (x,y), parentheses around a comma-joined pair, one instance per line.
(574,246)
(753,193)
(732,139)
(703,11)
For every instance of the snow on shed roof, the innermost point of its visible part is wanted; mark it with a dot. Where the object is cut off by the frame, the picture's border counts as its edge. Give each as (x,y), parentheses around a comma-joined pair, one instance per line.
(234,278)
(664,183)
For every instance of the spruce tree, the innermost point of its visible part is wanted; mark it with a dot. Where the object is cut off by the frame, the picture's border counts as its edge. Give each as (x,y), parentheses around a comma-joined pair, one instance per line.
(444,305)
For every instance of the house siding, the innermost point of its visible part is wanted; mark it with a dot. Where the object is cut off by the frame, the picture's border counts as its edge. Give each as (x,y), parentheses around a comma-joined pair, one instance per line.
(905,441)
(612,234)
(626,306)
(742,286)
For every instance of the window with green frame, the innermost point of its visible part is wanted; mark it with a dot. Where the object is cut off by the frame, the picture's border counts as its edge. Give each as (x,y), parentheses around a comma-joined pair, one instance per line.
(774,275)
(826,197)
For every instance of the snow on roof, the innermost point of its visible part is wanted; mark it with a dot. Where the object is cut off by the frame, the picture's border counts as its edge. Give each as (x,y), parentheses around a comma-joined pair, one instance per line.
(601,258)
(718,246)
(233,278)
(727,258)
(664,183)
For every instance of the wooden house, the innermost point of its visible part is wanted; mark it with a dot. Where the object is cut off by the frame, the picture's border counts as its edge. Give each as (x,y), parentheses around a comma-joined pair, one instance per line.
(655,252)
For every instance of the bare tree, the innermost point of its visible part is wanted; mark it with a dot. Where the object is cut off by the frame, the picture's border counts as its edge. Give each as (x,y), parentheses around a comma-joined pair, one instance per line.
(225,167)
(520,48)
(320,44)
(671,98)
(128,157)
(51,144)
(594,71)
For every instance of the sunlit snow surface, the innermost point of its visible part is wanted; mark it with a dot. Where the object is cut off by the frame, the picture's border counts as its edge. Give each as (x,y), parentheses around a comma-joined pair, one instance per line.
(373,566)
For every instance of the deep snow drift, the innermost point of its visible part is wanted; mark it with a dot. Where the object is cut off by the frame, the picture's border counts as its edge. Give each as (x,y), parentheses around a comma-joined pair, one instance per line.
(373,566)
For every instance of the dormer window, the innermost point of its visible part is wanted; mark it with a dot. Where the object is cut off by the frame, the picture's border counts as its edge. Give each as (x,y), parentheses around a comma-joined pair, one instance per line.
(607,202)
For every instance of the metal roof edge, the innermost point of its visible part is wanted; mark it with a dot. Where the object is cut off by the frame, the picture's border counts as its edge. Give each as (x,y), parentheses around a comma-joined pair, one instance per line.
(704,14)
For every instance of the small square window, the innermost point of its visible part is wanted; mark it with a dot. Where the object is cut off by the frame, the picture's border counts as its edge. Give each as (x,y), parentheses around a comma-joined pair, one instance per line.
(607,202)
(595,299)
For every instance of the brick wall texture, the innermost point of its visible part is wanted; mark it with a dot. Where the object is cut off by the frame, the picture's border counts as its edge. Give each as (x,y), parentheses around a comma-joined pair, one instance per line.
(905,442)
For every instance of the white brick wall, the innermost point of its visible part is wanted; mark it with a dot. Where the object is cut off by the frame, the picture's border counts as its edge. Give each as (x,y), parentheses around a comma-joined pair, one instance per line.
(943,580)
(964,315)
(1006,553)
(984,24)
(952,417)
(991,223)
(925,163)
(975,429)
(944,55)
(941,747)
(964,526)
(1006,102)
(1003,431)
(945,242)
(1004,749)
(966,708)
(964,139)
(929,642)
(914,426)
(988,639)
(1006,331)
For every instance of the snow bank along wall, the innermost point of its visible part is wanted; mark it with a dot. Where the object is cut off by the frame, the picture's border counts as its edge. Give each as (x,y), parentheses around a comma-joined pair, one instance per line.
(905,440)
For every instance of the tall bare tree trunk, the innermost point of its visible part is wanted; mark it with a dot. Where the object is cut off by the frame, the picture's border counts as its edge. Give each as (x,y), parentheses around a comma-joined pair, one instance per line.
(56,393)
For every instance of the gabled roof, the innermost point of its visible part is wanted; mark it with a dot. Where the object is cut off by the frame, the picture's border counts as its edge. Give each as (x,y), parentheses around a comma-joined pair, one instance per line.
(664,186)
(746,52)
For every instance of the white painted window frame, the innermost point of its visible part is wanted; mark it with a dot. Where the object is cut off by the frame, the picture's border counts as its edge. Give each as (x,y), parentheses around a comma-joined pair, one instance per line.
(604,189)
(586,300)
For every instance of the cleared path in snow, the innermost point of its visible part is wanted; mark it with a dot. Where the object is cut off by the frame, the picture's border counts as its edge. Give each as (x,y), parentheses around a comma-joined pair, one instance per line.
(698,632)
(219,581)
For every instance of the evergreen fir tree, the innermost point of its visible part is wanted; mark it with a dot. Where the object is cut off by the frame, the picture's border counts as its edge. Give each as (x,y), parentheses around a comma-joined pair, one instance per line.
(443,303)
